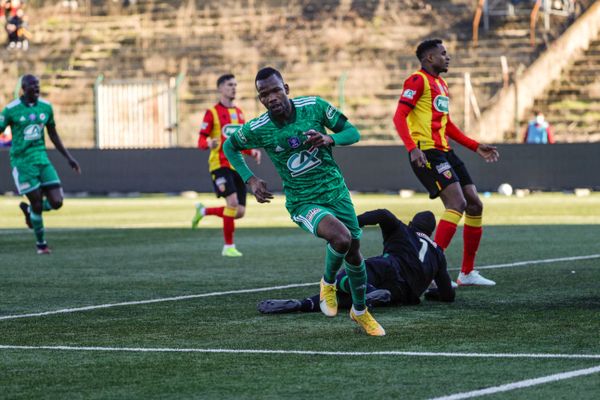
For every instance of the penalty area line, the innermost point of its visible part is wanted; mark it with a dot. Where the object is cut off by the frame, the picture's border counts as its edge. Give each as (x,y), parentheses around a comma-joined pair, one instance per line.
(521,384)
(303,352)
(264,289)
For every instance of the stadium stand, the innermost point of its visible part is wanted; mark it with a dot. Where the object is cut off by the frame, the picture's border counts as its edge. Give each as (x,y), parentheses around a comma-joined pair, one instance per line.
(364,46)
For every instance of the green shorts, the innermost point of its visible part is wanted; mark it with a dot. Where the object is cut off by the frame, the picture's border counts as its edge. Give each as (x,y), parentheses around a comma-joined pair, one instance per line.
(29,177)
(308,216)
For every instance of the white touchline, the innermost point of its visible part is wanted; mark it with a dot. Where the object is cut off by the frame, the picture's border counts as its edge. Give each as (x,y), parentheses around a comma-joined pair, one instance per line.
(521,384)
(264,289)
(530,262)
(303,352)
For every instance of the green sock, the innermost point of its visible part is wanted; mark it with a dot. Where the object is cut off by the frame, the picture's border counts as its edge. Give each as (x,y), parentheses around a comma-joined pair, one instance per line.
(333,262)
(343,285)
(46,205)
(357,277)
(38,227)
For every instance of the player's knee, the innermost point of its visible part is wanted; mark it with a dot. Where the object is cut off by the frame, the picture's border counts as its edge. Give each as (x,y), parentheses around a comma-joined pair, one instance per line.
(241,211)
(459,205)
(341,242)
(55,203)
(475,208)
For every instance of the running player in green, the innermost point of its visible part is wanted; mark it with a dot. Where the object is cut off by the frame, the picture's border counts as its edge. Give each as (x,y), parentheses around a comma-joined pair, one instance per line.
(34,174)
(293,133)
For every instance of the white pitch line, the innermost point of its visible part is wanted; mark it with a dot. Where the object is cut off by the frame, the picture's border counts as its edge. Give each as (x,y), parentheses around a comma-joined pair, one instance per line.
(522,384)
(531,262)
(265,289)
(160,300)
(303,352)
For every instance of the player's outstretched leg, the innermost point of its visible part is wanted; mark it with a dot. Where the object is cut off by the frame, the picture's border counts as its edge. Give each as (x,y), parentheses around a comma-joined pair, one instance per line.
(357,277)
(27,212)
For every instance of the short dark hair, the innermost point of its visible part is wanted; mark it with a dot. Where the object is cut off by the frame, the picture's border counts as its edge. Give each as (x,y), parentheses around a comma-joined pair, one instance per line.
(426,45)
(266,72)
(423,222)
(224,78)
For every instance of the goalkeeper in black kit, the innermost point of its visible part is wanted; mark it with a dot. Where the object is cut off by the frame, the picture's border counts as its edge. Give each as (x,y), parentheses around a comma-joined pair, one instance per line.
(410,262)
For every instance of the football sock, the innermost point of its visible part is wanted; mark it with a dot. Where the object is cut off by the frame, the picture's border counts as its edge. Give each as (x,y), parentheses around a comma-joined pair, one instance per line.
(46,205)
(333,262)
(228,224)
(218,211)
(471,237)
(447,227)
(344,286)
(38,227)
(357,278)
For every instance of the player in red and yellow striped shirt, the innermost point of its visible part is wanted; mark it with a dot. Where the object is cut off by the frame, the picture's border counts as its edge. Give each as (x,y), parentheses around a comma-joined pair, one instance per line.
(423,122)
(219,122)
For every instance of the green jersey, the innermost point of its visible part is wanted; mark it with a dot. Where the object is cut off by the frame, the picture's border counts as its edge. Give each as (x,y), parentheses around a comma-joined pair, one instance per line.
(309,176)
(27,123)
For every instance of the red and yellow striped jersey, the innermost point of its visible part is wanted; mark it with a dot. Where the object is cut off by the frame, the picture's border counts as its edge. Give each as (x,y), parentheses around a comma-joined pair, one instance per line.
(218,123)
(429,98)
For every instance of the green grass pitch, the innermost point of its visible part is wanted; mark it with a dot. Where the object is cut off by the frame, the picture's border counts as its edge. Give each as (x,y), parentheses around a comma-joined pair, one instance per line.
(113,250)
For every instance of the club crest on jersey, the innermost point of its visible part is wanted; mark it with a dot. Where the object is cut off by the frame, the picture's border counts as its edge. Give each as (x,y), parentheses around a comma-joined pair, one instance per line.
(448,174)
(42,116)
(294,142)
(230,129)
(299,163)
(409,94)
(441,103)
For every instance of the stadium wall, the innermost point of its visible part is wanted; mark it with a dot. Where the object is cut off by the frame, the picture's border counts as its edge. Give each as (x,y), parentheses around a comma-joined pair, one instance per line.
(366,168)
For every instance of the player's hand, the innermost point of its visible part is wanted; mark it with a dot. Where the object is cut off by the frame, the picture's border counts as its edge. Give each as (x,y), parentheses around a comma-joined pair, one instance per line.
(257,155)
(418,157)
(259,188)
(317,139)
(488,152)
(212,143)
(75,165)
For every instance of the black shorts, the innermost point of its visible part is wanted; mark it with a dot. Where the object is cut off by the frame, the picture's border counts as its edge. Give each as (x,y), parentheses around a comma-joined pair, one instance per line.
(226,181)
(443,168)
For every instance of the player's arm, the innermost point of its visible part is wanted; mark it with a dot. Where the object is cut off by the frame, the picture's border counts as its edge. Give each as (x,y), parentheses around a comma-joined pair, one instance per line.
(233,148)
(411,93)
(53,135)
(444,291)
(4,120)
(488,152)
(344,134)
(204,140)
(386,220)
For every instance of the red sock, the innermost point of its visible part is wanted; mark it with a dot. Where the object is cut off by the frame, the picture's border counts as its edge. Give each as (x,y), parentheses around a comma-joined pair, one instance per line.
(228,229)
(218,211)
(471,239)
(447,228)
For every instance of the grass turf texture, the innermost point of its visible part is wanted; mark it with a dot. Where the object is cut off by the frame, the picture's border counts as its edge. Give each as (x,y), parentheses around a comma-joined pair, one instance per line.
(546,308)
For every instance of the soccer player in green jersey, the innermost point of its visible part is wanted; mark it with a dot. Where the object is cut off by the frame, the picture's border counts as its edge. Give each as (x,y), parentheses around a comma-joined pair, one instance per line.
(293,133)
(34,174)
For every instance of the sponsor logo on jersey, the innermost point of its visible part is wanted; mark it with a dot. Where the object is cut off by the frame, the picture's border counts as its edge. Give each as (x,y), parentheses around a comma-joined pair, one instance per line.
(311,214)
(42,116)
(240,136)
(32,132)
(279,149)
(441,103)
(32,117)
(230,129)
(302,162)
(442,167)
(331,111)
(294,142)
(409,94)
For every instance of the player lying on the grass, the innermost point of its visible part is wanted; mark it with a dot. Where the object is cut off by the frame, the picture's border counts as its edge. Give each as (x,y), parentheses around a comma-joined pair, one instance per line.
(410,261)
(294,134)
